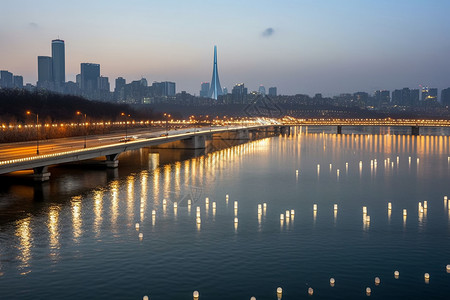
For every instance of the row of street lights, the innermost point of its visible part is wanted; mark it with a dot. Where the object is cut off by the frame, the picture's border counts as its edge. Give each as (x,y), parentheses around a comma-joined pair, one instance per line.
(81,114)
(78,113)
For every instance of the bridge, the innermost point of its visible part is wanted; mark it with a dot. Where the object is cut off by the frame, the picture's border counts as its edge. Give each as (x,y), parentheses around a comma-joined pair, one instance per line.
(194,139)
(19,157)
(388,122)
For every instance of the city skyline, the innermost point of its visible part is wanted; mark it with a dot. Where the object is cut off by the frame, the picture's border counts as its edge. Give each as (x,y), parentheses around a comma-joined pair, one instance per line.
(300,47)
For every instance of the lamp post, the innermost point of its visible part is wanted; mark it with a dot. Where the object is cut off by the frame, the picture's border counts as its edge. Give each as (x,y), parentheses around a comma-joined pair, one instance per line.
(167,123)
(37,130)
(126,125)
(79,113)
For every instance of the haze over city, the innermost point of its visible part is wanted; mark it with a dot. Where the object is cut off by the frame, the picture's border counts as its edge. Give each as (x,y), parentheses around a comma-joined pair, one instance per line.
(309,47)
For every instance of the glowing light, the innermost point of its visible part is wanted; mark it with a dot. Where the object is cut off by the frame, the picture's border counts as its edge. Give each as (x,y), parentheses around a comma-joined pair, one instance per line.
(396,274)
(279,291)
(332,281)
(377,281)
(310,291)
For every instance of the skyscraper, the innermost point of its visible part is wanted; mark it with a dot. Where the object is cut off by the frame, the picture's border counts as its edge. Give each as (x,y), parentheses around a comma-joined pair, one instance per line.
(445,97)
(262,90)
(204,90)
(18,81)
(168,88)
(90,74)
(239,93)
(273,91)
(215,90)
(6,79)
(58,61)
(45,70)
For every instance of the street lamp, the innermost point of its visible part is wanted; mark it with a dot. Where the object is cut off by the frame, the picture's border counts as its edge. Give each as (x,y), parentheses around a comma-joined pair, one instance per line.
(37,129)
(79,113)
(167,123)
(126,125)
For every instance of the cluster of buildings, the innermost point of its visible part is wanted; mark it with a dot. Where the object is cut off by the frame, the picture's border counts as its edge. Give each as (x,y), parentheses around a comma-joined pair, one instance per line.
(10,81)
(92,85)
(381,99)
(89,82)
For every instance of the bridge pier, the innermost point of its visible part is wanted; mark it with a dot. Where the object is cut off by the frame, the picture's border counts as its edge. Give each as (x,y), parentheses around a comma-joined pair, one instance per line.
(41,174)
(112,161)
(339,129)
(415,130)
(285,130)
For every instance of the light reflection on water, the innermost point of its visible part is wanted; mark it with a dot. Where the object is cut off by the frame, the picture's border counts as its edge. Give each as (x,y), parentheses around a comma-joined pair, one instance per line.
(260,251)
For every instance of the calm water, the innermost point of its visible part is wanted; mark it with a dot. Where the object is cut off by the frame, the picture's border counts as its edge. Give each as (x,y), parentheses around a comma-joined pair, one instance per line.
(75,237)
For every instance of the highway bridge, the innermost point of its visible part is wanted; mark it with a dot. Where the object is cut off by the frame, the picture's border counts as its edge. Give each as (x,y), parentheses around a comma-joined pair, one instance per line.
(415,124)
(23,156)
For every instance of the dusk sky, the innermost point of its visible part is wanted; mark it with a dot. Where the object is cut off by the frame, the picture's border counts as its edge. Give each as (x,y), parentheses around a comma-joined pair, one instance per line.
(299,46)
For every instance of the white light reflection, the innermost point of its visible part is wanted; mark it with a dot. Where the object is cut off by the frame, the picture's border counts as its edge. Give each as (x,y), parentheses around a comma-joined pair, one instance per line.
(53,230)
(23,233)
(98,211)
(76,218)
(114,190)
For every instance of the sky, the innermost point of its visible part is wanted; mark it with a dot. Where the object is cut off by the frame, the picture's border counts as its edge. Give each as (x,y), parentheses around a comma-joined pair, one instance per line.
(299,46)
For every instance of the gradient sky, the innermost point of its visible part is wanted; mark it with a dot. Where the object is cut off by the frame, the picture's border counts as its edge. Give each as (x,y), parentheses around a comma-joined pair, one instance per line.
(300,46)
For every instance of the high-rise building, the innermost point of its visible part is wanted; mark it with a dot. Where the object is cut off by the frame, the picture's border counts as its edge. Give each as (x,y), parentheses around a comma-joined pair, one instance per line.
(103,83)
(225,91)
(262,90)
(45,70)
(58,61)
(119,88)
(204,90)
(273,91)
(433,94)
(406,97)
(90,74)
(429,94)
(445,97)
(216,89)
(415,96)
(397,97)
(168,88)
(120,83)
(239,93)
(361,98)
(18,82)
(382,98)
(6,80)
